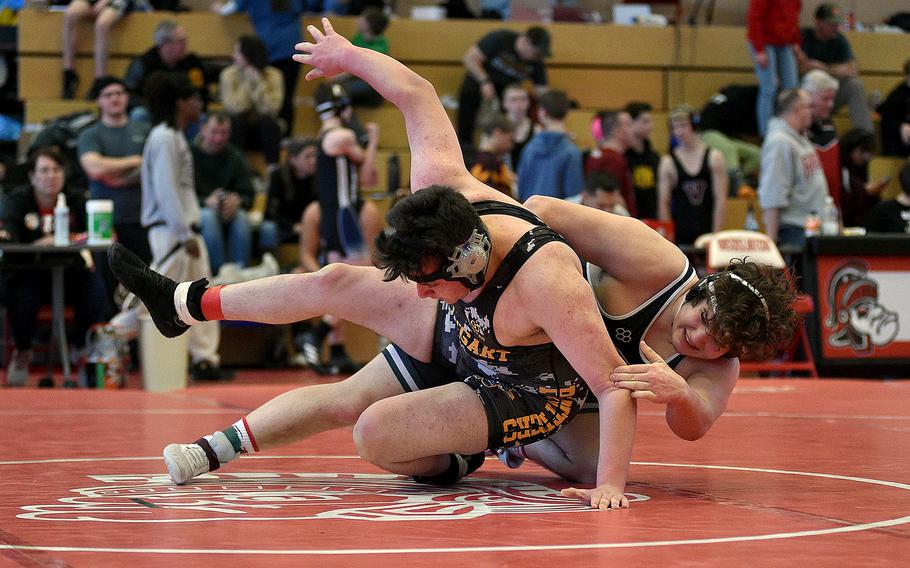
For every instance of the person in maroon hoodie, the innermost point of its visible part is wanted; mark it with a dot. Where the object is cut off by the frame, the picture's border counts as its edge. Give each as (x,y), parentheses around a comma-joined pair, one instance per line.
(772,28)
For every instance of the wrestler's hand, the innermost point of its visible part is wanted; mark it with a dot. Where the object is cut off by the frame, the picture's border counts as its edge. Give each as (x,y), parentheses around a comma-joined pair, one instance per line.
(601,497)
(654,381)
(325,53)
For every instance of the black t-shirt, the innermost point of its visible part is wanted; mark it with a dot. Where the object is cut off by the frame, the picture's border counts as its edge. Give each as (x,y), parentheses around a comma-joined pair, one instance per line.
(889,217)
(143,66)
(288,197)
(503,64)
(830,52)
(643,167)
(895,111)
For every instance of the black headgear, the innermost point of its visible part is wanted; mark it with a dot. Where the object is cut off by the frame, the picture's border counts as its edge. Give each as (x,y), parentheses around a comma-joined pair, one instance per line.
(331,101)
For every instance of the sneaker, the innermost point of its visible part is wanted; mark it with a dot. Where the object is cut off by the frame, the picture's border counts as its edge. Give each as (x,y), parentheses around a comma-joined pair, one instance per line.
(463,466)
(18,371)
(70,84)
(311,349)
(185,461)
(512,457)
(155,290)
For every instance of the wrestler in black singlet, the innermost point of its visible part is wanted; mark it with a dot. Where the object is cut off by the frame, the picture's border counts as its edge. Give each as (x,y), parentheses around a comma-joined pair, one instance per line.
(528,392)
(337,182)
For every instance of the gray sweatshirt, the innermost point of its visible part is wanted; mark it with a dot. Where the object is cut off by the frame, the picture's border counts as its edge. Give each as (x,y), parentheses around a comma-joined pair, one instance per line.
(168,189)
(792,179)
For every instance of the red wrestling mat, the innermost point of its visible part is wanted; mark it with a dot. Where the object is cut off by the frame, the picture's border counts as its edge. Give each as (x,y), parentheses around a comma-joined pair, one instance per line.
(811,472)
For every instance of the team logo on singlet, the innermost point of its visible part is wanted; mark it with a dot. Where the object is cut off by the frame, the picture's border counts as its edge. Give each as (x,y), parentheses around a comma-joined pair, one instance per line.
(695,191)
(623,334)
(297,496)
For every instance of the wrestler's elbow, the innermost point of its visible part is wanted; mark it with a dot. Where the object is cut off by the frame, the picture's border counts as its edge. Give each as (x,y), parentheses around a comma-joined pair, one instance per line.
(538,204)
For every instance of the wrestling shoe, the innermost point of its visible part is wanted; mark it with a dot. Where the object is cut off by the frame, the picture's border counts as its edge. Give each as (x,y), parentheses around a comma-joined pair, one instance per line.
(155,290)
(512,457)
(185,461)
(460,466)
(311,350)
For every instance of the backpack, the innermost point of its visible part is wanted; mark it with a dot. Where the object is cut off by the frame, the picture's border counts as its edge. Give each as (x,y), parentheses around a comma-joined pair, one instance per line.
(63,132)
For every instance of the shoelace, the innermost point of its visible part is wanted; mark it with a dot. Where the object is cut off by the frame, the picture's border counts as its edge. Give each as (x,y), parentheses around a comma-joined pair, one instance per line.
(197,458)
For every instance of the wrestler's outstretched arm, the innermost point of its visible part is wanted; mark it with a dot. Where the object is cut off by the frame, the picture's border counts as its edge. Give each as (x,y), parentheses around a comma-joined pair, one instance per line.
(435,152)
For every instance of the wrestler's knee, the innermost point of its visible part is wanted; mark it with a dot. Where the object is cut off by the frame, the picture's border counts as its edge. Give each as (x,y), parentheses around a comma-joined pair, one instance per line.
(373,434)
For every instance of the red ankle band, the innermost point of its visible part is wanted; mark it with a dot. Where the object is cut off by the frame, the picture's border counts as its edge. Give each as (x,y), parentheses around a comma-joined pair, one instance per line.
(211,304)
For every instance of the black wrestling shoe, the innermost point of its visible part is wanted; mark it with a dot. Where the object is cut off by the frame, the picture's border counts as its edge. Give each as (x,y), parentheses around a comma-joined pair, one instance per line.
(155,290)
(459,467)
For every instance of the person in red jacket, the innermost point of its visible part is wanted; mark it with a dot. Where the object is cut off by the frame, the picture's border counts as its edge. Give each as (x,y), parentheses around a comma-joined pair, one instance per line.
(772,28)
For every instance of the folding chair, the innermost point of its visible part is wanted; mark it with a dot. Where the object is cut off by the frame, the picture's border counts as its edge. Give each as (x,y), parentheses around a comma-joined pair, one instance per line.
(724,246)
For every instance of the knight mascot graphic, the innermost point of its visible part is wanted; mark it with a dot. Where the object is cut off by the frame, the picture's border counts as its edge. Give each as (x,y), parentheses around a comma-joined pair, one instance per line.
(856,319)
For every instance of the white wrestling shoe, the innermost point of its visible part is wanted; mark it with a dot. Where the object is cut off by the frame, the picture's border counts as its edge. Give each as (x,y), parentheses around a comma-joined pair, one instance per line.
(185,461)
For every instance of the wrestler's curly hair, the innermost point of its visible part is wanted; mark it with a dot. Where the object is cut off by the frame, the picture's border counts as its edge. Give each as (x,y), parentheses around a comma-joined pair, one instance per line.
(427,225)
(740,323)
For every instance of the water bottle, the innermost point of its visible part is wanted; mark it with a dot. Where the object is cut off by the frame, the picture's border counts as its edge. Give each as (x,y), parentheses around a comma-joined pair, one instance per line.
(394,174)
(831,221)
(61,222)
(813,224)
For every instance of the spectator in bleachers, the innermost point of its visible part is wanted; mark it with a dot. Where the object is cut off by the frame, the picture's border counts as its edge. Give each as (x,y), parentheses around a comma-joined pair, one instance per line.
(500,58)
(278,25)
(822,89)
(792,184)
(224,186)
(642,159)
(486,163)
(516,103)
(371,25)
(170,208)
(772,27)
(346,222)
(893,215)
(28,217)
(251,92)
(895,113)
(551,163)
(168,54)
(602,192)
(110,152)
(693,182)
(105,13)
(612,132)
(825,48)
(312,258)
(291,188)
(860,194)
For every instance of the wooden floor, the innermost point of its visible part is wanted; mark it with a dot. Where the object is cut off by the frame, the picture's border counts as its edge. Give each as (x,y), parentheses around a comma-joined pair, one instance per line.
(796,473)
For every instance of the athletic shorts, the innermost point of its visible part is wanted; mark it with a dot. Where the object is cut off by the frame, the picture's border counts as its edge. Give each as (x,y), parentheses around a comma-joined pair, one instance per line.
(516,416)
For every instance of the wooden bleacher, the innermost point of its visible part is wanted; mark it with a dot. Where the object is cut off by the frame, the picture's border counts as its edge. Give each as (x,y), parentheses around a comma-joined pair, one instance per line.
(598,65)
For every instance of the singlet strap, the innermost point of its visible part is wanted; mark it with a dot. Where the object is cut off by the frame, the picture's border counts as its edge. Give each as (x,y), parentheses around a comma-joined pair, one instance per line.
(521,251)
(499,208)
